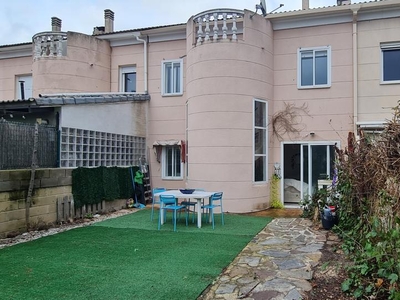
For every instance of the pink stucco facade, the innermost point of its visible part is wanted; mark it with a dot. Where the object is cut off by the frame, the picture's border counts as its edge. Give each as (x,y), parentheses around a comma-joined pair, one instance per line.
(9,69)
(260,60)
(222,81)
(85,67)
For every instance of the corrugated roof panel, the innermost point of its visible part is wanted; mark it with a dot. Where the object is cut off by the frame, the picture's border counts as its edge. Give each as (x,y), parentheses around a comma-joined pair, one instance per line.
(322,7)
(18,100)
(49,101)
(89,99)
(139,29)
(14,45)
(68,100)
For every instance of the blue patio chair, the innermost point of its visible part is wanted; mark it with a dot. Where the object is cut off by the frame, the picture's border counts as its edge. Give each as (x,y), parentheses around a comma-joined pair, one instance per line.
(215,201)
(168,202)
(189,204)
(154,200)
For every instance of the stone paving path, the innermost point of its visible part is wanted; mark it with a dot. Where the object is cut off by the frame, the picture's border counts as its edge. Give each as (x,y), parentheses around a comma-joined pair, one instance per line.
(275,265)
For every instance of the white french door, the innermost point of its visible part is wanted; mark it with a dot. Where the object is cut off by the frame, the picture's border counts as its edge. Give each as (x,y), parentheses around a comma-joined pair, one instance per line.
(303,165)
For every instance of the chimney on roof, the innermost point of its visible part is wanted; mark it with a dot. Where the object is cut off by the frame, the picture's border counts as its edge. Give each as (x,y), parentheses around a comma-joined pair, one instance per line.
(98,30)
(343,2)
(108,21)
(305,4)
(55,24)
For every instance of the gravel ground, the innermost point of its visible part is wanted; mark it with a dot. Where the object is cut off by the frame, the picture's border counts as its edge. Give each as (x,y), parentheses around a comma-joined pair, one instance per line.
(36,234)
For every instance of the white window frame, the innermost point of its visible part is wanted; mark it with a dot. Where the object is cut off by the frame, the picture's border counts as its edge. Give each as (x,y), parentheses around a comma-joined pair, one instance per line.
(187,139)
(265,128)
(27,86)
(164,161)
(329,67)
(122,71)
(164,74)
(386,46)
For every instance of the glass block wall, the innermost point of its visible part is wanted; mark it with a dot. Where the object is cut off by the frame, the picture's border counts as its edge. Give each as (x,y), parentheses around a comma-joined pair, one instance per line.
(88,148)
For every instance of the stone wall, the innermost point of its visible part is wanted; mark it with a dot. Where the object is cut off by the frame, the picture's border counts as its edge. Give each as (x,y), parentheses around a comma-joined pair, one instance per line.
(50,185)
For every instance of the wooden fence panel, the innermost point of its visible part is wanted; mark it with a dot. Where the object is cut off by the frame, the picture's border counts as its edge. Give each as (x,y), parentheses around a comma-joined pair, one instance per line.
(66,210)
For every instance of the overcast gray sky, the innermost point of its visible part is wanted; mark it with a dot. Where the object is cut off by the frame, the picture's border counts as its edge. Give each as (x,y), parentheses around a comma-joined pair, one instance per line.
(21,19)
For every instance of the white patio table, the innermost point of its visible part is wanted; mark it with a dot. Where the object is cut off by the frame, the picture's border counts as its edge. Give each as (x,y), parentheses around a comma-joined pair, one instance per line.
(197,195)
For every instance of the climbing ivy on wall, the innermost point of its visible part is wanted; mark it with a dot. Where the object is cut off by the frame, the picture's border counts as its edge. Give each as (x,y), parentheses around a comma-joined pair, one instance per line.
(92,185)
(274,189)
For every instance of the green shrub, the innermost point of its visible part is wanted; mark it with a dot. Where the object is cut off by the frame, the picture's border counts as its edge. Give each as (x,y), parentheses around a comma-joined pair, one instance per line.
(369,220)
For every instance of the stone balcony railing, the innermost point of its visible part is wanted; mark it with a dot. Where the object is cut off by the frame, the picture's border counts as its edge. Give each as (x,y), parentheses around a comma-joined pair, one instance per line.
(50,44)
(218,24)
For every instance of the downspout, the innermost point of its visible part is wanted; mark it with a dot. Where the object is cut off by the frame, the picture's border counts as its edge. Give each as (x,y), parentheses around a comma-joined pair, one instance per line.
(144,61)
(355,69)
(147,155)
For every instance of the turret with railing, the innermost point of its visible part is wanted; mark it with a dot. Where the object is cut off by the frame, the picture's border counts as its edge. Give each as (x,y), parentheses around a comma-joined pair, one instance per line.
(218,25)
(50,44)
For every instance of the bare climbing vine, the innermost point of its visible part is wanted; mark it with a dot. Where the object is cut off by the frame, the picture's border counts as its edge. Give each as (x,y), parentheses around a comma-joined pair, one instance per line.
(289,119)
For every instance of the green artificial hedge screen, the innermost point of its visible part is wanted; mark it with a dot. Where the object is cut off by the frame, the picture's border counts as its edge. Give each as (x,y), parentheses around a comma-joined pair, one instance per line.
(93,185)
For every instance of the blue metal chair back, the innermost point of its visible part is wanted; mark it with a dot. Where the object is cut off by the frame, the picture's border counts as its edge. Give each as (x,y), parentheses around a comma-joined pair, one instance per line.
(168,202)
(158,190)
(215,201)
(167,199)
(155,201)
(216,197)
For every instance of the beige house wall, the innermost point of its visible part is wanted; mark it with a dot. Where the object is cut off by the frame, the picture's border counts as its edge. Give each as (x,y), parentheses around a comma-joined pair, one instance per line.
(375,99)
(123,56)
(166,115)
(330,109)
(85,68)
(9,70)
(222,81)
(127,118)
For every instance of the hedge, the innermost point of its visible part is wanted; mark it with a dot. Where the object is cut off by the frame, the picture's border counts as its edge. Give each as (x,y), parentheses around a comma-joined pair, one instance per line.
(92,185)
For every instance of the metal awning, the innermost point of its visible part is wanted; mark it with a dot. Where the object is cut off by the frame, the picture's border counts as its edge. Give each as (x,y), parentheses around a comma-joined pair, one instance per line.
(157,145)
(167,143)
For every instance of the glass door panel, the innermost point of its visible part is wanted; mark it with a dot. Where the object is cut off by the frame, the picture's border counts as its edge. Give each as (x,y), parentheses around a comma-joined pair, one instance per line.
(319,165)
(305,172)
(304,165)
(292,173)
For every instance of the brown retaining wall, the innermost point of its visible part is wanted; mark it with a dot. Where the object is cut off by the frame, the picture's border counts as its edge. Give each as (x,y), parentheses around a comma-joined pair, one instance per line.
(50,185)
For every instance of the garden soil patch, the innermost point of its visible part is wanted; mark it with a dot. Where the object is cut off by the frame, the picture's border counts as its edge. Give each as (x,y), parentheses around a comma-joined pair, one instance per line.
(330,272)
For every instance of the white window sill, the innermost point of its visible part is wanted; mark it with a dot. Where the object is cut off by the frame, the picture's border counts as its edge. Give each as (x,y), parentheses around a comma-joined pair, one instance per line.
(260,183)
(390,82)
(311,87)
(172,178)
(172,95)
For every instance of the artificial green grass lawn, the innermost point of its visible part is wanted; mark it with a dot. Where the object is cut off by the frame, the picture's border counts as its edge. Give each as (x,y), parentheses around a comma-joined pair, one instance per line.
(125,258)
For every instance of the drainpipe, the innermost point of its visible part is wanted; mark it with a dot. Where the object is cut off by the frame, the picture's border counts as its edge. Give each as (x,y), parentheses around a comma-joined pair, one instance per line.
(144,61)
(355,69)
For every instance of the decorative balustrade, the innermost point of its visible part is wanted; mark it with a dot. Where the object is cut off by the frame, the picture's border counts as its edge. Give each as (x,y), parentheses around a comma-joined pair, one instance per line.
(218,24)
(50,44)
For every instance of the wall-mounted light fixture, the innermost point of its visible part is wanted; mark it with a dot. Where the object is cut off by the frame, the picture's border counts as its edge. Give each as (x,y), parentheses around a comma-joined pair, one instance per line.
(277,169)
(312,133)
